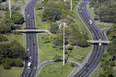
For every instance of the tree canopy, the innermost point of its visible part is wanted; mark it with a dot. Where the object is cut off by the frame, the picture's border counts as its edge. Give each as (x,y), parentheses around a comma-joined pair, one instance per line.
(11,54)
(105,9)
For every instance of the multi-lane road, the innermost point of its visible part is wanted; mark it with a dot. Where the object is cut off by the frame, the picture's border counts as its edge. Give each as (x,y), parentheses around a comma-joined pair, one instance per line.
(31,42)
(98,51)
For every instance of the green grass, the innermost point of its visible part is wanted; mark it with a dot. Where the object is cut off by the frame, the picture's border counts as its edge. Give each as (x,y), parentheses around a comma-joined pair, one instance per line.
(16,2)
(97,73)
(80,23)
(40,24)
(103,26)
(1,11)
(11,37)
(79,51)
(47,52)
(14,72)
(99,70)
(1,19)
(56,70)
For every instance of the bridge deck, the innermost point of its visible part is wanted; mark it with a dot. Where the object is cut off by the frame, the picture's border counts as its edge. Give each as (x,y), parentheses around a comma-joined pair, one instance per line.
(97,41)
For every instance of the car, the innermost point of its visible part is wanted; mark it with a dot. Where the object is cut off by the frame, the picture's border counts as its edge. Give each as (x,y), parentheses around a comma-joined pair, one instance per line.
(95,69)
(29,65)
(90,22)
(27,49)
(34,67)
(100,44)
(30,57)
(28,15)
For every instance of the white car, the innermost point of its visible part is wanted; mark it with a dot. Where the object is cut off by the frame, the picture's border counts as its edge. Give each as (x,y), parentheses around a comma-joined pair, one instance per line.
(28,15)
(34,67)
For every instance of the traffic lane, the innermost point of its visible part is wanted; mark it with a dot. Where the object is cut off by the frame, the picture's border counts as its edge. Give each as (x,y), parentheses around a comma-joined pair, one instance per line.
(35,56)
(97,62)
(95,25)
(25,73)
(31,14)
(28,16)
(86,65)
(91,65)
(91,26)
(28,10)
(86,21)
(32,55)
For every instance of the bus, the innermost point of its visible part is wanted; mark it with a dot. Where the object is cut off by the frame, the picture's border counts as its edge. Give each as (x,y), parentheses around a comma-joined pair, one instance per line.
(29,65)
(90,22)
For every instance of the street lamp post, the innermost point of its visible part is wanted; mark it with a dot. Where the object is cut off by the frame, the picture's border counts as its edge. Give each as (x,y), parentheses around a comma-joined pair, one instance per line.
(63,43)
(71,5)
(10,7)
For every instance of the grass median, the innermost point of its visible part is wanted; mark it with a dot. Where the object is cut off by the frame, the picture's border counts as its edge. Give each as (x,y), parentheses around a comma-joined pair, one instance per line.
(56,70)
(40,24)
(47,52)
(104,26)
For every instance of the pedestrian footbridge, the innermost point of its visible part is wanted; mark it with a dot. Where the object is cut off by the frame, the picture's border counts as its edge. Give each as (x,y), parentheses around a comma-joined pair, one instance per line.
(98,41)
(32,30)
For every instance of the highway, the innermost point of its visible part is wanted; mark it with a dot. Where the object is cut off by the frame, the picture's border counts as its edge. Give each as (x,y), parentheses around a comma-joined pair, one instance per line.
(98,51)
(31,42)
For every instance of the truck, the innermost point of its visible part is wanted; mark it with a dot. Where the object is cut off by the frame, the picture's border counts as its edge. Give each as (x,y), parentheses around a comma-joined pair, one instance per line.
(29,65)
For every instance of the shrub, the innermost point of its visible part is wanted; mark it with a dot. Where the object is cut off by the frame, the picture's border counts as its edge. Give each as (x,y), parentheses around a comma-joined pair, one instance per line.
(110,19)
(72,64)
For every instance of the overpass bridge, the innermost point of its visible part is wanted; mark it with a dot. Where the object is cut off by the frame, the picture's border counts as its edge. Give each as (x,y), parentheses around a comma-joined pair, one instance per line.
(33,30)
(43,31)
(98,41)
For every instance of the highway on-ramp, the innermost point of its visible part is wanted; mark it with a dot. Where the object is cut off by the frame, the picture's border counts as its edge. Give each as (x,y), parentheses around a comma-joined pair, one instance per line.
(31,42)
(98,51)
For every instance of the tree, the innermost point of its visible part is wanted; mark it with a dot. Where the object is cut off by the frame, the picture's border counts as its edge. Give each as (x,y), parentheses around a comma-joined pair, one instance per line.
(83,43)
(3,38)
(72,64)
(8,63)
(7,66)
(18,62)
(6,26)
(69,47)
(17,18)
(55,12)
(57,57)
(0,1)
(54,27)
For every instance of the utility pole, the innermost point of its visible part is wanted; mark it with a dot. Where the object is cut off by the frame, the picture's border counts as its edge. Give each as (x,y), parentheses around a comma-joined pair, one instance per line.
(71,5)
(63,44)
(64,0)
(10,7)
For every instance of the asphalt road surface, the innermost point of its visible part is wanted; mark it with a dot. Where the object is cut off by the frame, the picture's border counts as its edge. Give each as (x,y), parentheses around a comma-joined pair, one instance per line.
(98,51)
(31,42)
